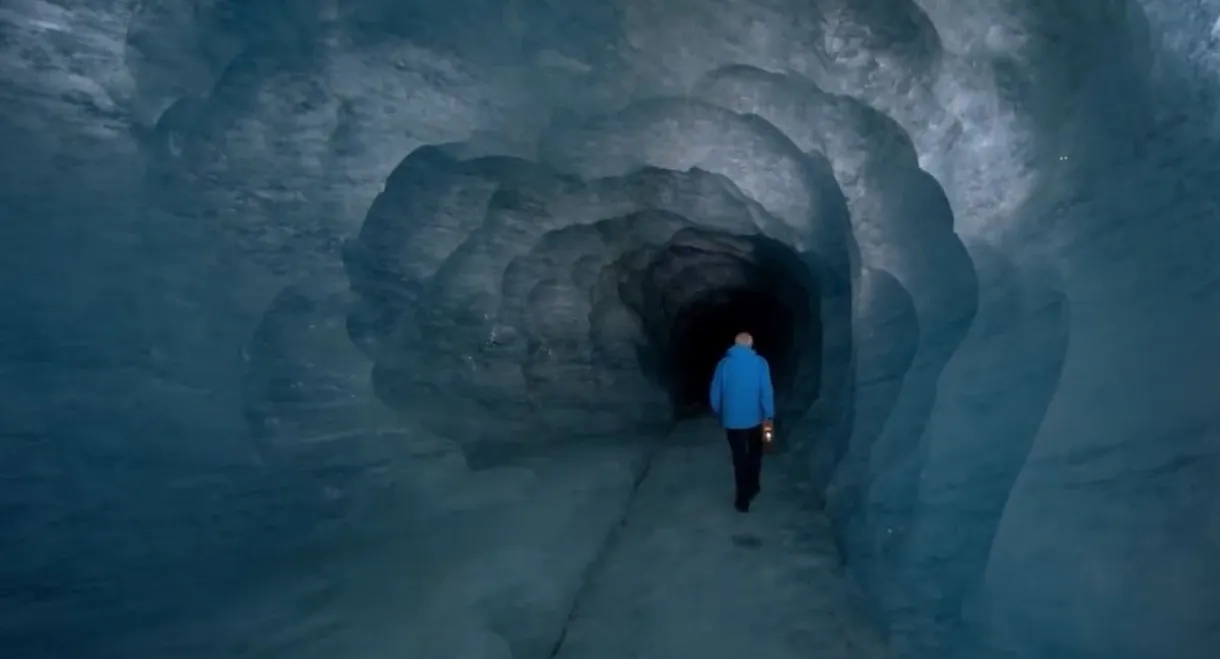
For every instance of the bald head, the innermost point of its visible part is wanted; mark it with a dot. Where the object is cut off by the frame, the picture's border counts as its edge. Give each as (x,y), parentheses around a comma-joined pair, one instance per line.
(744,339)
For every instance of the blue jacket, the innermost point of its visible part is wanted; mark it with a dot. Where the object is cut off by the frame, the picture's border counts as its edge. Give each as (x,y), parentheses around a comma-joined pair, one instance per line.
(741,393)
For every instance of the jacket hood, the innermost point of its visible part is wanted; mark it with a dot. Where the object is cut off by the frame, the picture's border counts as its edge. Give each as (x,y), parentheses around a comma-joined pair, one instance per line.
(739,350)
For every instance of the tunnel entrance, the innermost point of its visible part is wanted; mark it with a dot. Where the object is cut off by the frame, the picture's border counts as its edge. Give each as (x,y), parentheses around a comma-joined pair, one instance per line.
(705,329)
(717,286)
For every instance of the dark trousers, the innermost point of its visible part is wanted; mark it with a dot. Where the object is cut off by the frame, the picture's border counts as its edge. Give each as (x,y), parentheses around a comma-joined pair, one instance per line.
(747,448)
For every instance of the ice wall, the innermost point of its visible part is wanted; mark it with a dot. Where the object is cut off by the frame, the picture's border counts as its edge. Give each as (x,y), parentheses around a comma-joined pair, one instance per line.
(315,280)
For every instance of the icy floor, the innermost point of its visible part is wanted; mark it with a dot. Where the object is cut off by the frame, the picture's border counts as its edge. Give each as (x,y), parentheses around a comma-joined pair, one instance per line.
(688,576)
(610,552)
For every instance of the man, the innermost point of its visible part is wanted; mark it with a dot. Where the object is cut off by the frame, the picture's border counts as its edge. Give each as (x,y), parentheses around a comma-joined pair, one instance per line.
(742,397)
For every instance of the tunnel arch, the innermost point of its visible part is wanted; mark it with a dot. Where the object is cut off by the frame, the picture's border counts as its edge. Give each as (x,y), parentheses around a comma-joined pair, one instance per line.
(560,245)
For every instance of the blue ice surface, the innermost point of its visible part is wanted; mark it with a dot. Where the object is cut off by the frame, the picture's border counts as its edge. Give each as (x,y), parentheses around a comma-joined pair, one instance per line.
(205,447)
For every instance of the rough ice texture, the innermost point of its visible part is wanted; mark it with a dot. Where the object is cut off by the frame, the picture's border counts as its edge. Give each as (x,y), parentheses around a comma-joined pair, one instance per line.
(244,310)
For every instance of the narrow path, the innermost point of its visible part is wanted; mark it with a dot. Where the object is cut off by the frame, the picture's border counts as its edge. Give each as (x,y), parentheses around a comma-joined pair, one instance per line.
(689,576)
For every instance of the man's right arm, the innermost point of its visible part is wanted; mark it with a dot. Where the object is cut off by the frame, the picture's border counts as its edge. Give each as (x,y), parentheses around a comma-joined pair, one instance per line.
(714,393)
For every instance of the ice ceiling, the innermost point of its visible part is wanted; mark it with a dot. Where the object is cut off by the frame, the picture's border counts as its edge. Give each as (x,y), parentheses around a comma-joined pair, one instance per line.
(259,252)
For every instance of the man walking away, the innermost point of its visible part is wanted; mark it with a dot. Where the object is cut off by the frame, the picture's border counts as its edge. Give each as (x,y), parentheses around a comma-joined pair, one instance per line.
(742,397)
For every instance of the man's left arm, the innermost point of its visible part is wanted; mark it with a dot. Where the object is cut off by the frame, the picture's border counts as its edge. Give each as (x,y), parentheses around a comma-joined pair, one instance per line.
(768,392)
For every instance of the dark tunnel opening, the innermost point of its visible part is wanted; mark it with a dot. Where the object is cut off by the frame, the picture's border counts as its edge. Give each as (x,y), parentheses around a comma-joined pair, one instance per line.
(710,291)
(705,328)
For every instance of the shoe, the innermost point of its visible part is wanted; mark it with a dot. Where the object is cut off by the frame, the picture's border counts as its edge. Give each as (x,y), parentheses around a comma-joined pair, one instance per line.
(742,505)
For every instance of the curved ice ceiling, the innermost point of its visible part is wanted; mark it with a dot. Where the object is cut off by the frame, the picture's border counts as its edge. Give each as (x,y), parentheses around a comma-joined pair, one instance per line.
(998,217)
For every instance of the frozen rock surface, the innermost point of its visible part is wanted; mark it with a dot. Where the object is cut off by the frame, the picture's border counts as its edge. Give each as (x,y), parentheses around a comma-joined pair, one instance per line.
(350,328)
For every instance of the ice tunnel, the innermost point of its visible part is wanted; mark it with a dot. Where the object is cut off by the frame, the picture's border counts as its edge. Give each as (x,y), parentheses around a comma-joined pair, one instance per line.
(383,329)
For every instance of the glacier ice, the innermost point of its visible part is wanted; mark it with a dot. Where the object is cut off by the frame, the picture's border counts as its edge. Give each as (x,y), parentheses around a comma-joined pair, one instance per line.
(350,328)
